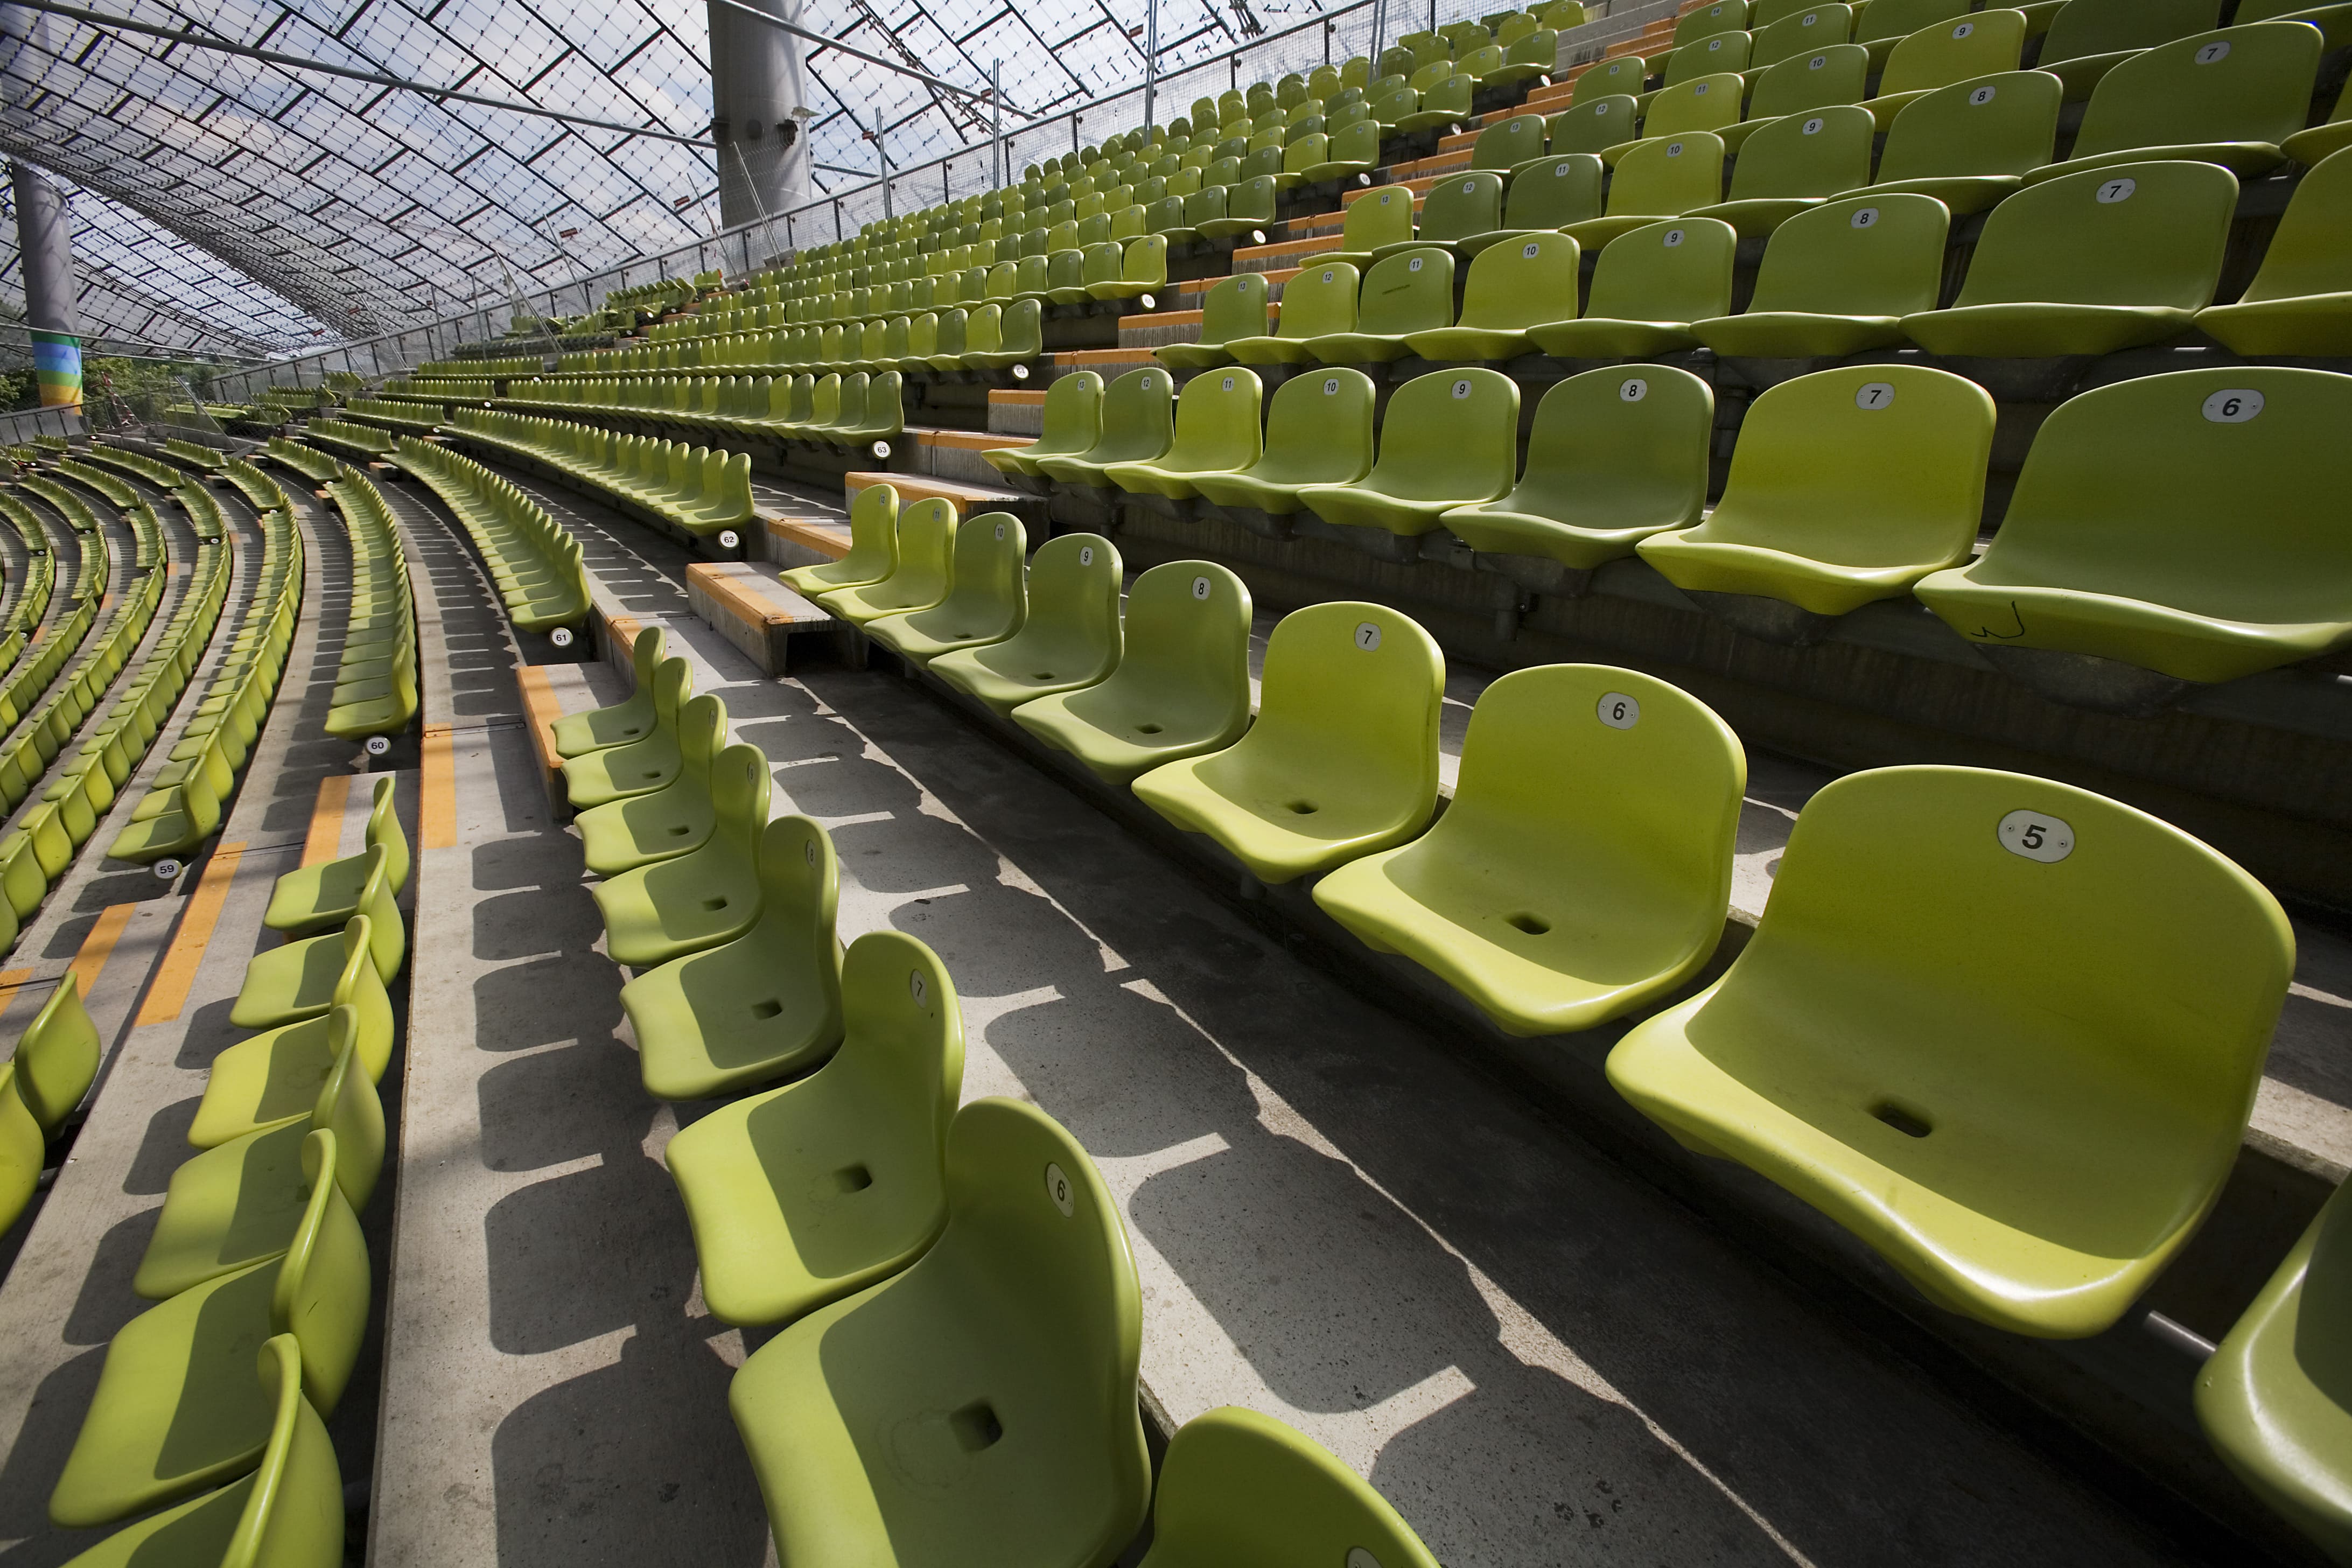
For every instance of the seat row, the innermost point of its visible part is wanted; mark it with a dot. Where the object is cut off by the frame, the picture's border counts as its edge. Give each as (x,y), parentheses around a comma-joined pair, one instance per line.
(976,1254)
(376,683)
(29,601)
(258,1246)
(349,442)
(264,493)
(311,462)
(838,410)
(535,561)
(401,417)
(100,482)
(698,491)
(991,336)
(42,1086)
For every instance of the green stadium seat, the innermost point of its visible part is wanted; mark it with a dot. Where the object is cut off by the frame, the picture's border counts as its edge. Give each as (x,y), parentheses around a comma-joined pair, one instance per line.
(1353,150)
(1583,869)
(1071,637)
(2316,143)
(2274,1400)
(311,898)
(241,1202)
(873,552)
(1831,78)
(1797,35)
(1839,278)
(987,603)
(2178,524)
(1342,761)
(289,1513)
(1319,300)
(638,766)
(56,1057)
(2331,17)
(804,1195)
(1181,687)
(1318,430)
(2086,41)
(1015,1337)
(762,1006)
(303,979)
(1142,270)
(1620,77)
(2027,1142)
(1139,412)
(1378,219)
(275,1077)
(1072,423)
(1595,125)
(1547,194)
(1512,290)
(2110,259)
(1408,291)
(1795,163)
(1217,431)
(1709,103)
(705,897)
(924,573)
(2299,302)
(1239,1489)
(1649,286)
(1658,178)
(1531,58)
(639,829)
(1947,54)
(1847,486)
(1704,21)
(23,1151)
(179,1407)
(1508,144)
(1234,308)
(1448,439)
(1972,144)
(1614,457)
(2229,96)
(1456,207)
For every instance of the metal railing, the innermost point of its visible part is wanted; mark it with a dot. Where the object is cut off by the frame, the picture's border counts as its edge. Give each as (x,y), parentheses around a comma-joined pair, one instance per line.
(18,428)
(1329,38)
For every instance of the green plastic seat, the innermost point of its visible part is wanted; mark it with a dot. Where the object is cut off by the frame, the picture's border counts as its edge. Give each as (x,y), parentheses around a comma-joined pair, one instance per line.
(639,766)
(623,834)
(1351,151)
(706,896)
(2331,18)
(1139,412)
(1657,178)
(289,1513)
(1847,486)
(1839,278)
(1715,56)
(1648,287)
(1623,76)
(1830,78)
(1407,291)
(1445,105)
(1239,1489)
(1963,49)
(1318,301)
(1318,430)
(759,1008)
(1884,24)
(179,1406)
(274,1078)
(1181,687)
(2084,42)
(1705,21)
(2027,1142)
(1798,34)
(56,1057)
(986,1393)
(1529,58)
(23,1151)
(301,979)
(2314,144)
(1378,218)
(987,604)
(1512,290)
(1236,307)
(1448,439)
(1546,195)
(1342,761)
(241,1203)
(924,574)
(1071,638)
(1456,207)
(1217,418)
(2299,302)
(2229,96)
(2110,259)
(1508,144)
(310,898)
(1614,457)
(1583,869)
(810,1193)
(2179,524)
(1073,422)
(2275,1401)
(1972,144)
(1595,124)
(1793,164)
(1143,270)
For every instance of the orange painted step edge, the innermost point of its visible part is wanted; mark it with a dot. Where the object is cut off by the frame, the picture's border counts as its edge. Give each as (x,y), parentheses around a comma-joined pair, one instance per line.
(177,974)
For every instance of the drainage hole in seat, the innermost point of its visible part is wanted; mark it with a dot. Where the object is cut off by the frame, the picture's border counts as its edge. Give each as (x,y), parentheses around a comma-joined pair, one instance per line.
(976,1426)
(853,1178)
(1304,807)
(769,1009)
(1041,674)
(1147,729)
(714,905)
(1910,1123)
(1534,925)
(680,831)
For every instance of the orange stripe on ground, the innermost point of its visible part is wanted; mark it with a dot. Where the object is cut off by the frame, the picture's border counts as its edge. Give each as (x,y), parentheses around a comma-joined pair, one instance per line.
(541,709)
(178,972)
(11,982)
(437,814)
(99,945)
(326,838)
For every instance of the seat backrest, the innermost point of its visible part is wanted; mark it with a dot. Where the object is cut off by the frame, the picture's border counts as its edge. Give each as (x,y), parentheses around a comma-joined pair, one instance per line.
(1866,256)
(1319,300)
(2131,234)
(800,896)
(991,550)
(2213,491)
(1834,75)
(1350,689)
(1723,16)
(1594,124)
(1668,175)
(673,684)
(1239,1489)
(1863,466)
(1074,583)
(1073,418)
(2086,27)
(1555,193)
(1962,49)
(1625,444)
(1217,420)
(1378,217)
(1814,154)
(1461,205)
(21,1145)
(1236,307)
(1622,77)
(1318,430)
(347,1106)
(1187,631)
(320,1293)
(902,1031)
(1451,434)
(701,730)
(2310,253)
(1521,283)
(2239,84)
(1358,142)
(1803,32)
(644,658)
(56,1057)
(927,532)
(1508,143)
(1410,291)
(1139,414)
(293,1512)
(1725,54)
(2004,124)
(740,787)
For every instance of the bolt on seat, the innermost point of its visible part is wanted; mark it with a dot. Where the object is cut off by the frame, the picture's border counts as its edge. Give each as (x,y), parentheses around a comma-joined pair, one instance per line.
(923,576)
(1071,637)
(642,765)
(623,834)
(2027,1142)
(987,604)
(705,897)
(1239,1489)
